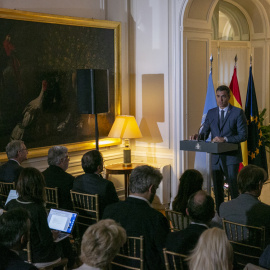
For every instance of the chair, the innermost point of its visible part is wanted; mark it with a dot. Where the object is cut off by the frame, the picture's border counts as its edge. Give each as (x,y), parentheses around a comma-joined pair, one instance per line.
(51,198)
(4,190)
(130,255)
(88,208)
(174,260)
(177,220)
(248,242)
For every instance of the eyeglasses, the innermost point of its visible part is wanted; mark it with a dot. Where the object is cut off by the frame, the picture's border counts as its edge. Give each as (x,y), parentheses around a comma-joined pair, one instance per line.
(24,149)
(67,158)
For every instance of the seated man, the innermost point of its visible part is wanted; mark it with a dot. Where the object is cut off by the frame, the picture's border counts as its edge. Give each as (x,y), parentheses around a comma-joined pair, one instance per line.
(136,215)
(14,230)
(56,175)
(16,153)
(93,183)
(246,208)
(201,210)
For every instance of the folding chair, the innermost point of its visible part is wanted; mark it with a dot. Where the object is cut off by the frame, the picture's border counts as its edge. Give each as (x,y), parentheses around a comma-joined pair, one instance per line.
(88,208)
(174,261)
(4,190)
(248,242)
(51,198)
(177,220)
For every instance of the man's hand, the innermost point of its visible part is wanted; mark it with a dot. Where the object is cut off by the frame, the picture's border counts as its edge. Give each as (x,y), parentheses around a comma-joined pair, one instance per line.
(55,234)
(193,137)
(219,139)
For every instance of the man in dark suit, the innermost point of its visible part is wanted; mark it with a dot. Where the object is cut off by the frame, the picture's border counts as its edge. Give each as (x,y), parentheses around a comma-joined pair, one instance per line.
(14,230)
(226,124)
(16,153)
(200,209)
(93,183)
(137,217)
(56,175)
(246,208)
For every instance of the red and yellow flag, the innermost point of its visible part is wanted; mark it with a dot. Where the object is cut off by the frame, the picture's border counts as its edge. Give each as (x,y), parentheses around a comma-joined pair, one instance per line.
(235,100)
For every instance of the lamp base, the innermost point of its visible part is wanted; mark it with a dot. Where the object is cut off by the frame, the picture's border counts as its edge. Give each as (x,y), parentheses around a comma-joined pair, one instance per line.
(127,157)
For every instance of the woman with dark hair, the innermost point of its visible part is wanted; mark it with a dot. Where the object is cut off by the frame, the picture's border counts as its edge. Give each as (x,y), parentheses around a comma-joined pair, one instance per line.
(31,191)
(191,181)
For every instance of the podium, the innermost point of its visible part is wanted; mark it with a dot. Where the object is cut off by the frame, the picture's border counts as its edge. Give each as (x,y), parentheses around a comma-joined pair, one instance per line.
(210,148)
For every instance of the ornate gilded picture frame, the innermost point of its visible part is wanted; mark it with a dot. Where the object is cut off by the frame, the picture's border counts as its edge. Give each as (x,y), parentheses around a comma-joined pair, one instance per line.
(39,56)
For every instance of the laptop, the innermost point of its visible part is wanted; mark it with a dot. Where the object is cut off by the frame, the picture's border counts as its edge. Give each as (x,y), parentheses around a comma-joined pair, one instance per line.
(11,195)
(62,221)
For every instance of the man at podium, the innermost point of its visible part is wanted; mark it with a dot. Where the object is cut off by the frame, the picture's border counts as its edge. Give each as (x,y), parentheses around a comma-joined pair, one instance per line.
(226,124)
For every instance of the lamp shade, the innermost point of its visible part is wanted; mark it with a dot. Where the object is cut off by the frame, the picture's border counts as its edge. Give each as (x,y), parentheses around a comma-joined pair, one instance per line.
(126,127)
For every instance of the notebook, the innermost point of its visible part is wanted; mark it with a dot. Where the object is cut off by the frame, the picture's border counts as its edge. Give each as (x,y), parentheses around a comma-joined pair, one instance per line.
(62,221)
(11,195)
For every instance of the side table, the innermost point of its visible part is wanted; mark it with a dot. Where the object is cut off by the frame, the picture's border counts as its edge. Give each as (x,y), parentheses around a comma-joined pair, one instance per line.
(118,168)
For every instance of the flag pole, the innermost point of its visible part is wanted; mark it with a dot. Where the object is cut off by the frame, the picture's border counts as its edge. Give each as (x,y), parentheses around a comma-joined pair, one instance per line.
(235,60)
(250,59)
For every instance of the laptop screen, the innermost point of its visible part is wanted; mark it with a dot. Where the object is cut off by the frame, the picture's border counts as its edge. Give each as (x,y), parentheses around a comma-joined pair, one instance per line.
(61,220)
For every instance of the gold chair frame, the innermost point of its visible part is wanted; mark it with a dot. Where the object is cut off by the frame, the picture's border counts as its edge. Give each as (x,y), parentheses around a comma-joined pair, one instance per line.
(177,220)
(248,241)
(129,252)
(174,258)
(51,197)
(4,190)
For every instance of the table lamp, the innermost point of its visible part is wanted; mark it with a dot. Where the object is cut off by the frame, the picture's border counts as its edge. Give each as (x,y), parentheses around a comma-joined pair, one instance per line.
(125,127)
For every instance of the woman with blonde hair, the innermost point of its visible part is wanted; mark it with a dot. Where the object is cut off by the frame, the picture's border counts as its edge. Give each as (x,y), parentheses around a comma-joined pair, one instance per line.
(100,244)
(213,251)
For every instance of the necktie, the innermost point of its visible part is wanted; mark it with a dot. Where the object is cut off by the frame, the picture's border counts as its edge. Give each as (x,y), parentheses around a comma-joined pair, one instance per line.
(221,118)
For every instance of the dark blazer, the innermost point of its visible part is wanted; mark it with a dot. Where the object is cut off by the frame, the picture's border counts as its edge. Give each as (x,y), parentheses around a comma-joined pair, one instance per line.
(234,128)
(10,171)
(57,177)
(9,260)
(247,209)
(185,240)
(139,218)
(95,184)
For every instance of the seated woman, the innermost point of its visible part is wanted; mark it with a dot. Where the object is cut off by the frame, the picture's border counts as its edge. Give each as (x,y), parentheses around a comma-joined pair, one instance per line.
(191,181)
(100,243)
(31,191)
(213,251)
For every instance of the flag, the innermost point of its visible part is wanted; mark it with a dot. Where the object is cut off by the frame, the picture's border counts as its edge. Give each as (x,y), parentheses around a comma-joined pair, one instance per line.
(210,103)
(235,100)
(256,148)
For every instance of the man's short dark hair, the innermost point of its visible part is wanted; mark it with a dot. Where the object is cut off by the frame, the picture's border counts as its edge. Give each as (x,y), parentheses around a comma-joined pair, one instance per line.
(91,160)
(142,177)
(249,178)
(13,225)
(224,88)
(201,207)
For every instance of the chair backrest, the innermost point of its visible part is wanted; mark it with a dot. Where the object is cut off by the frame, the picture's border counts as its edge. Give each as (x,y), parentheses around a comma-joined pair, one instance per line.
(248,242)
(51,198)
(88,208)
(177,220)
(4,190)
(174,260)
(130,255)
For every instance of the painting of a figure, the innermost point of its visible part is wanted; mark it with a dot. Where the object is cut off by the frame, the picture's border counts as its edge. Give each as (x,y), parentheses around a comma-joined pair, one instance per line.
(38,63)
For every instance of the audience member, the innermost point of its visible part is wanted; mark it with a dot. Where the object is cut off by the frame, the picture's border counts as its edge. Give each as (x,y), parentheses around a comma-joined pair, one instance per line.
(14,230)
(93,183)
(56,175)
(100,243)
(200,209)
(246,208)
(16,153)
(191,181)
(138,218)
(30,189)
(213,251)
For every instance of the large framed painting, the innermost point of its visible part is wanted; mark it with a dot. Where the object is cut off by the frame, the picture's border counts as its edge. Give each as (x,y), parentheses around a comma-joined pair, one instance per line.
(39,57)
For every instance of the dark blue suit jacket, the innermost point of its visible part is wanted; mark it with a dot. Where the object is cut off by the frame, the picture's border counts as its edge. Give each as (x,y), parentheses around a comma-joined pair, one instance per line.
(10,171)
(234,128)
(138,218)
